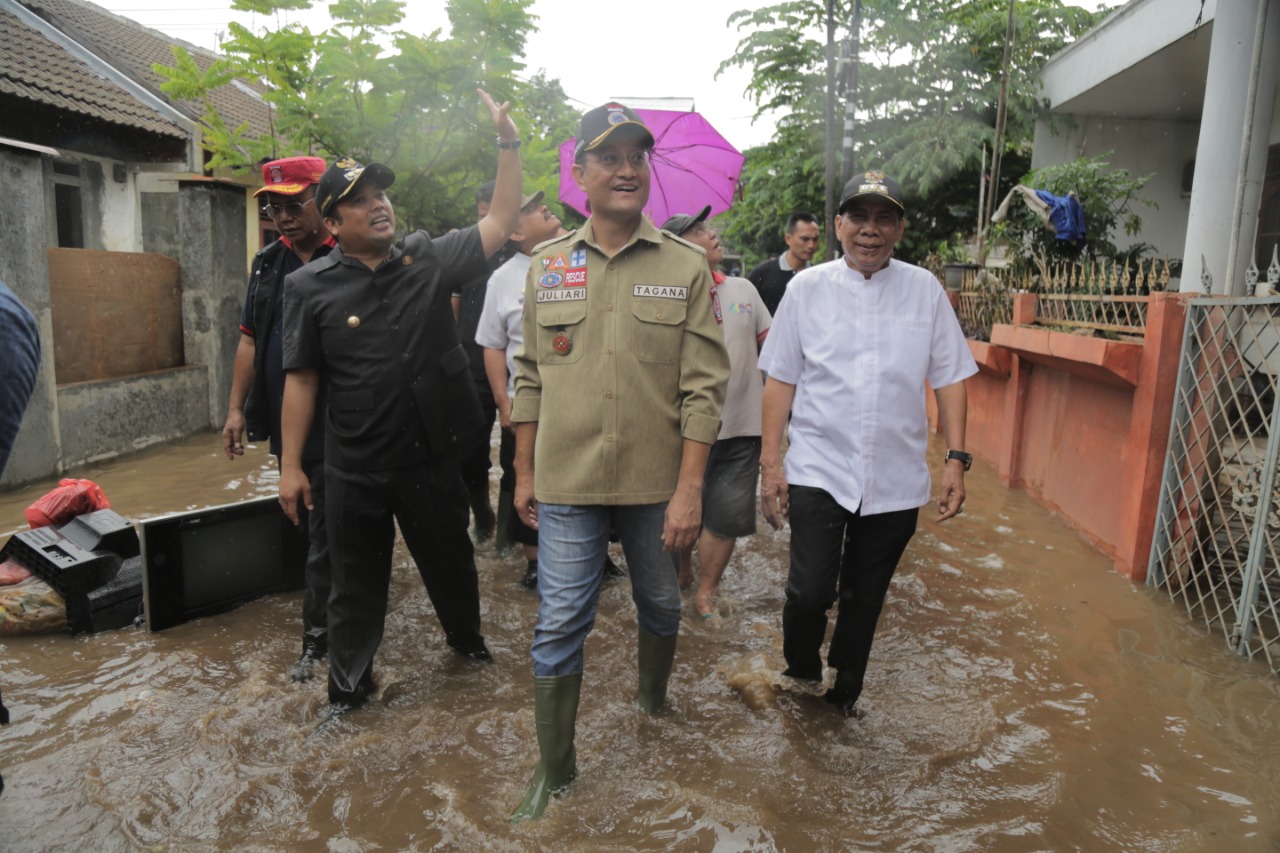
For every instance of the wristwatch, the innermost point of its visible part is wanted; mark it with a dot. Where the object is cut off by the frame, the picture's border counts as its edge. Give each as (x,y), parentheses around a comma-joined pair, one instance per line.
(508,146)
(966,458)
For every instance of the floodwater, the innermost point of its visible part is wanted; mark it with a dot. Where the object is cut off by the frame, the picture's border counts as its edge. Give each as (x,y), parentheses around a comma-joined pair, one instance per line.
(1021,697)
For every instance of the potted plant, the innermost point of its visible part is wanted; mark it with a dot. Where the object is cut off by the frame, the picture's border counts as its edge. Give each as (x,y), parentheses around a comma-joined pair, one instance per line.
(956,262)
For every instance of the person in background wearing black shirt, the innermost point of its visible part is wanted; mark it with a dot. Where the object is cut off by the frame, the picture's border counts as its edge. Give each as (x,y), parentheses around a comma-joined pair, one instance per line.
(772,276)
(257,381)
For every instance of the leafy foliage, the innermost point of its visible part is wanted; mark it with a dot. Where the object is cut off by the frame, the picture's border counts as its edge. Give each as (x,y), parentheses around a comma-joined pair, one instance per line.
(927,92)
(778,179)
(368,90)
(1110,198)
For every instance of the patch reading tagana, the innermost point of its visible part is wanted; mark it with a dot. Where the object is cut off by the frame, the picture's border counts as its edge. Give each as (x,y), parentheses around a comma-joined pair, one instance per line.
(662,291)
(575,295)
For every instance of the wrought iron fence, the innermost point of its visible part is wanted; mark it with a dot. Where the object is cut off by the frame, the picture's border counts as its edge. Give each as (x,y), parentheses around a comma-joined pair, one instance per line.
(1217,538)
(1098,296)
(1106,298)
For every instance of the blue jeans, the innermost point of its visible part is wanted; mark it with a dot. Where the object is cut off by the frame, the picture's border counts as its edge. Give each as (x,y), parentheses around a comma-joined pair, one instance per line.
(572,544)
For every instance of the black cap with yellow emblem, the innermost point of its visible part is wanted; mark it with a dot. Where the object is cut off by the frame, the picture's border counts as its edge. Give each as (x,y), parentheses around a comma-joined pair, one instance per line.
(599,124)
(339,179)
(873,183)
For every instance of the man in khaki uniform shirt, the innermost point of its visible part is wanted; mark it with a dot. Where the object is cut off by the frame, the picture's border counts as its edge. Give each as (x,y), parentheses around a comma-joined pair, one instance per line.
(618,391)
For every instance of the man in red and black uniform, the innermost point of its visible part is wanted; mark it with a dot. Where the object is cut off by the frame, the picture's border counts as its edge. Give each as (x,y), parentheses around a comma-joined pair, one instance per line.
(257,385)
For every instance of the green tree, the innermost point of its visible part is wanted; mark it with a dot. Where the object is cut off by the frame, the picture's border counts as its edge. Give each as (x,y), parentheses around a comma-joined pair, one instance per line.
(369,90)
(928,86)
(778,179)
(1110,200)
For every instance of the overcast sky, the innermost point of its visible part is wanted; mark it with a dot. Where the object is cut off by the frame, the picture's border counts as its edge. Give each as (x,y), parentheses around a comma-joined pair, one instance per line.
(598,51)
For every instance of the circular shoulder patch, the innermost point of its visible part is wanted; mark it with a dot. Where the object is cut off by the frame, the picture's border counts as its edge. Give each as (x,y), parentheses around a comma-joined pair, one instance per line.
(550,279)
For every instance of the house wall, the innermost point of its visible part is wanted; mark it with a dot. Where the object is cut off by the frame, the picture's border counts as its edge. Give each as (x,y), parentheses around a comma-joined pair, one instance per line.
(24,268)
(1160,149)
(212,252)
(100,420)
(75,423)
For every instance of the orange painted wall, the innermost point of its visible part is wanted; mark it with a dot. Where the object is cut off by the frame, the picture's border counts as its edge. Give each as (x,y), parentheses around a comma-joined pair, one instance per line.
(1074,450)
(1080,423)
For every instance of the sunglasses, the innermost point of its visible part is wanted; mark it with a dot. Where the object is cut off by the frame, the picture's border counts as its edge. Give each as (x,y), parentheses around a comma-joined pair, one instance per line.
(293,208)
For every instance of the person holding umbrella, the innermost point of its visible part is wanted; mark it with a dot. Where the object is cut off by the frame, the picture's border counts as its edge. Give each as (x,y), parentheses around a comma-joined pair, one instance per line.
(618,392)
(729,494)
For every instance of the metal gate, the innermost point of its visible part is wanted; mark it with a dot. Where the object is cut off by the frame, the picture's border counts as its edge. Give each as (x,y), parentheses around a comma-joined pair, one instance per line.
(1216,550)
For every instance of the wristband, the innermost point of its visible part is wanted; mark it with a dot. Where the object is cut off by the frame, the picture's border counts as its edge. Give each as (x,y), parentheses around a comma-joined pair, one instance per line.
(508,146)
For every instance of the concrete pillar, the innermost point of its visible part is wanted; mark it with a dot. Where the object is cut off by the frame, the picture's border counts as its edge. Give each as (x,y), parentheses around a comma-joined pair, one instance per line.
(1148,440)
(24,267)
(211,251)
(1228,116)
(1009,464)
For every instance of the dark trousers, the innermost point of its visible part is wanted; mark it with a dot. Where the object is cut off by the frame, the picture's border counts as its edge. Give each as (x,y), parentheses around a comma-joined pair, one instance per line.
(318,576)
(430,503)
(476,462)
(835,552)
(517,530)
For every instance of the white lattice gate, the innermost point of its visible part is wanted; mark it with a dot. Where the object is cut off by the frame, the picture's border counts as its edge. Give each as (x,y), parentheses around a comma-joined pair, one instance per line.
(1217,538)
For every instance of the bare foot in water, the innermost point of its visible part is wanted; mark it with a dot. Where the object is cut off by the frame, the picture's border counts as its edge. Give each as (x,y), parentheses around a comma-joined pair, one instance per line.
(705,601)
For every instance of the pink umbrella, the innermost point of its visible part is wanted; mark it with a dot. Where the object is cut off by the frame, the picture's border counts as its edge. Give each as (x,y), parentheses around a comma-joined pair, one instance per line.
(691,166)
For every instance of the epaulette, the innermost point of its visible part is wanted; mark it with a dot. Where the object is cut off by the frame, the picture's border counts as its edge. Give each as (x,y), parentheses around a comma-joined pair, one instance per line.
(684,242)
(544,244)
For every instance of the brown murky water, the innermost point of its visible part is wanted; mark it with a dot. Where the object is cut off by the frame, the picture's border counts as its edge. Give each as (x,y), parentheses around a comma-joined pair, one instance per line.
(1021,697)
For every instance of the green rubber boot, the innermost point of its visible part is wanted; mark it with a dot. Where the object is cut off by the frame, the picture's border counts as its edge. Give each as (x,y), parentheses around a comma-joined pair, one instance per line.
(555,711)
(656,656)
(501,541)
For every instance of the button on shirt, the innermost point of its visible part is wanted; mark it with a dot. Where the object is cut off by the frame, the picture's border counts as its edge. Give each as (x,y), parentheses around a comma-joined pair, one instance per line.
(859,352)
(622,360)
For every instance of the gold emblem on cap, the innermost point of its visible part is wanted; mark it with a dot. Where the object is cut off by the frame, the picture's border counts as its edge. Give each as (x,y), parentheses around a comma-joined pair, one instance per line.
(406,260)
(874,175)
(353,321)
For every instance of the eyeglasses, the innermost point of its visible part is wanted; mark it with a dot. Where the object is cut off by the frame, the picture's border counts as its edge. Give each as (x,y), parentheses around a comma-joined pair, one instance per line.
(293,208)
(612,160)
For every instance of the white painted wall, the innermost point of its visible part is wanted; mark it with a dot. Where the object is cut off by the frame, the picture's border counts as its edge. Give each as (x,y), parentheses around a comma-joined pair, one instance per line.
(1157,148)
(120,215)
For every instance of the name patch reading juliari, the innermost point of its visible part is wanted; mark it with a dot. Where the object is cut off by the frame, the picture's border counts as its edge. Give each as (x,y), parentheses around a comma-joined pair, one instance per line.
(680,292)
(576,295)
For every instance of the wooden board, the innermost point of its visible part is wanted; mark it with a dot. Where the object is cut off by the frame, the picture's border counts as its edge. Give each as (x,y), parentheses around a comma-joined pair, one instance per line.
(114,313)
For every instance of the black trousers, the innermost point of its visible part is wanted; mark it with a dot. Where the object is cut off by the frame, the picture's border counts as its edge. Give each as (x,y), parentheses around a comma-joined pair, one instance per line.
(838,554)
(430,503)
(477,461)
(318,575)
(517,530)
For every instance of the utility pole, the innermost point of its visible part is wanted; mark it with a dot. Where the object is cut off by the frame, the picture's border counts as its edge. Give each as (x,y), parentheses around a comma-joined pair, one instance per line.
(829,241)
(993,188)
(849,58)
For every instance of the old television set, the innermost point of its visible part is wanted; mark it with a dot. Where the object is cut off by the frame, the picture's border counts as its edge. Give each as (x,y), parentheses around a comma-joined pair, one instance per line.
(212,560)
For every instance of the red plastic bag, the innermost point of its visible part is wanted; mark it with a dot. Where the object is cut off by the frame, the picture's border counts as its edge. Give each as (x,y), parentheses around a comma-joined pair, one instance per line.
(71,498)
(12,572)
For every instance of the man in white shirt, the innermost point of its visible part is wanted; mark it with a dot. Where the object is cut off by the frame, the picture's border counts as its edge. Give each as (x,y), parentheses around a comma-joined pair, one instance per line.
(847,357)
(500,334)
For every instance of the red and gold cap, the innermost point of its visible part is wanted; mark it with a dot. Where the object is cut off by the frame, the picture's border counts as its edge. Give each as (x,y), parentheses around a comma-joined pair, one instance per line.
(291,175)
